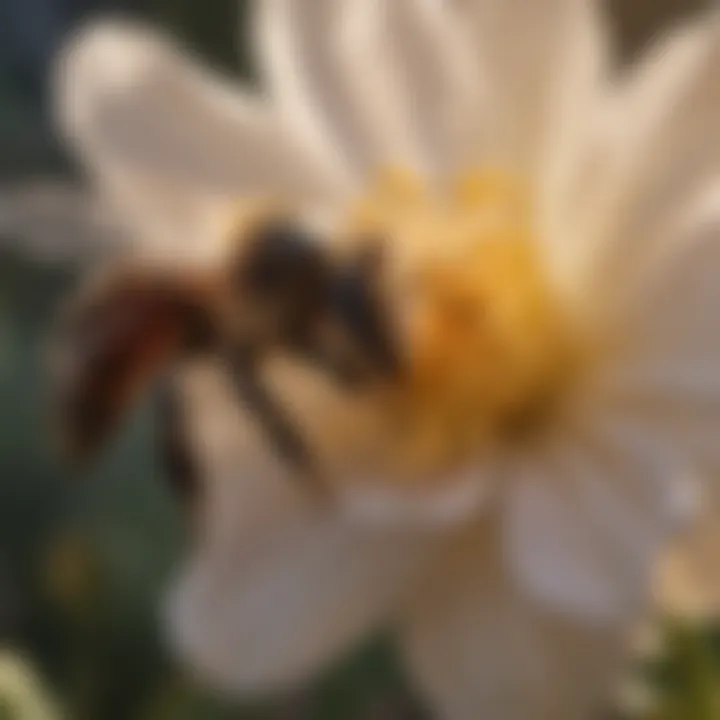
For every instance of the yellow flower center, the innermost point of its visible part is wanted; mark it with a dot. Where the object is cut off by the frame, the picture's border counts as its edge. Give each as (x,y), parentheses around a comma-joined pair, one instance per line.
(486,344)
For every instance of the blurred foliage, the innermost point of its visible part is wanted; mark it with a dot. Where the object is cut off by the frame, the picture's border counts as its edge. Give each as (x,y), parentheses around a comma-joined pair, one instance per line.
(83,562)
(683,681)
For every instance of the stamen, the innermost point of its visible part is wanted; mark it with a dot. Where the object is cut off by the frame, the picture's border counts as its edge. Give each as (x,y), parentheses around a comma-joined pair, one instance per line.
(486,344)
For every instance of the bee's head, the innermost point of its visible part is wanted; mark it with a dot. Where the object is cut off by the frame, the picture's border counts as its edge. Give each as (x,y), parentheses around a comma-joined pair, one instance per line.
(292,291)
(275,284)
(281,290)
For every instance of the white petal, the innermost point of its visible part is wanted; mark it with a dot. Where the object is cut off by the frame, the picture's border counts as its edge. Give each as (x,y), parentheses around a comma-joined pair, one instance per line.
(277,586)
(454,500)
(249,625)
(545,58)
(665,148)
(410,64)
(170,140)
(477,645)
(589,516)
(663,294)
(298,59)
(378,82)
(661,364)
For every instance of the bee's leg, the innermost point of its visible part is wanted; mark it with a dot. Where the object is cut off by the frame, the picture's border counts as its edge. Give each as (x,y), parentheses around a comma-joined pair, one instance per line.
(284,436)
(175,444)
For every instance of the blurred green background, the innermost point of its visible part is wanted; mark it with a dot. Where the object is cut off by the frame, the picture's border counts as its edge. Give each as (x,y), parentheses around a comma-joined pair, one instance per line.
(83,561)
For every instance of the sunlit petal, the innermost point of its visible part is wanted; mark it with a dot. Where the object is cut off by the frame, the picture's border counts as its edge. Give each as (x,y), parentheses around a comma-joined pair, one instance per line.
(298,61)
(664,149)
(277,586)
(586,522)
(169,140)
(380,83)
(410,64)
(664,351)
(545,59)
(474,639)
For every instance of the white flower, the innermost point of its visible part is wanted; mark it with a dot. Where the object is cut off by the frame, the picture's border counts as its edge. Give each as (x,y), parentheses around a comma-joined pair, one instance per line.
(552,426)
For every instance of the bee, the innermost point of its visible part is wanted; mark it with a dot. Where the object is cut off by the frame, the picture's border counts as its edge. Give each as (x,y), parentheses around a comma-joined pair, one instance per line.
(282,290)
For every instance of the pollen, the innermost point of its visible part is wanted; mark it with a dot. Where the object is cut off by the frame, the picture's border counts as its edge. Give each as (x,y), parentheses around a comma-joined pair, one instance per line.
(486,345)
